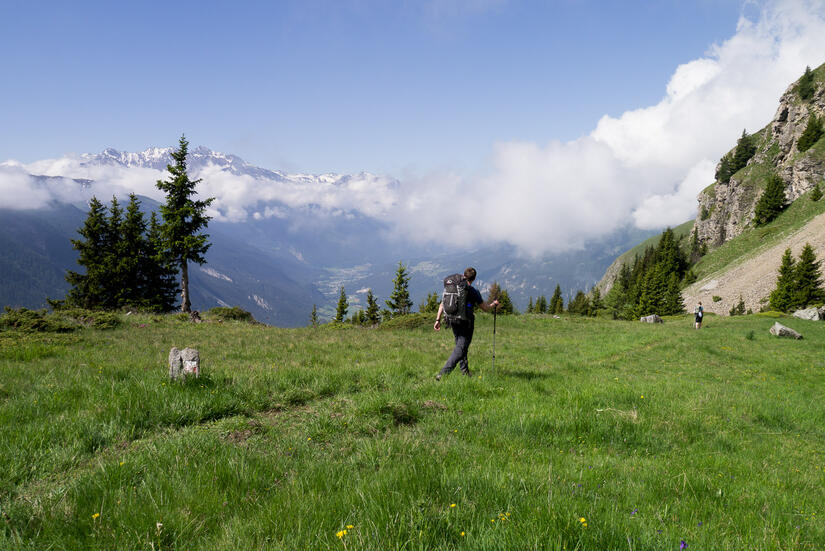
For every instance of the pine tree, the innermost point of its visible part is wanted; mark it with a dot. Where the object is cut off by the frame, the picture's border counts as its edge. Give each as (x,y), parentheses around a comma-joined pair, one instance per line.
(579,305)
(813,131)
(130,254)
(159,277)
(781,298)
(115,264)
(556,302)
(343,305)
(808,289)
(399,302)
(723,171)
(771,202)
(596,302)
(806,87)
(673,302)
(530,306)
(816,193)
(313,317)
(183,219)
(494,293)
(541,305)
(739,309)
(373,315)
(89,289)
(745,149)
(429,305)
(505,305)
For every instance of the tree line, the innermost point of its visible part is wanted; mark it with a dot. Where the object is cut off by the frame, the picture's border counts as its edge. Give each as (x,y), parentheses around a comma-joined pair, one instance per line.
(129,262)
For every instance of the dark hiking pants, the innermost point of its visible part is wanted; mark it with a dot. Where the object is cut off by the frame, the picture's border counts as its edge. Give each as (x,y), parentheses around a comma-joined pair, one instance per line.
(463,332)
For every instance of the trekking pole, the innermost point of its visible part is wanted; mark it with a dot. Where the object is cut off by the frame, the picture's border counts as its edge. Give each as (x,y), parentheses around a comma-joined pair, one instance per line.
(495,308)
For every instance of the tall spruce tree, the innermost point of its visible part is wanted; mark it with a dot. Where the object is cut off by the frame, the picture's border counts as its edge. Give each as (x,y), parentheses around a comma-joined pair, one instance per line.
(806,86)
(313,316)
(771,202)
(556,305)
(399,302)
(184,219)
(159,278)
(373,313)
(745,149)
(131,254)
(530,306)
(812,133)
(808,289)
(341,309)
(579,305)
(596,302)
(725,169)
(782,297)
(89,289)
(541,305)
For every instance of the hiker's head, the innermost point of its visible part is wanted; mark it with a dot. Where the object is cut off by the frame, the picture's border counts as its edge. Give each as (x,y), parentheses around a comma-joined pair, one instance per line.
(700,303)
(470,274)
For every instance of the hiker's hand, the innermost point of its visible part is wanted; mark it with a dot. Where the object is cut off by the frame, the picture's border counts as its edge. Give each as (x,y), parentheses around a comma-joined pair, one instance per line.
(437,325)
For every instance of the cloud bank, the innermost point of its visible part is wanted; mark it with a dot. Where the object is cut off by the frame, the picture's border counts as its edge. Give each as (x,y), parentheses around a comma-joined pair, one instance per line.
(645,166)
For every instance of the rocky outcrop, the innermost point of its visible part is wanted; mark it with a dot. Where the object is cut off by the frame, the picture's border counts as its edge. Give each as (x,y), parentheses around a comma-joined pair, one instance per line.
(726,209)
(653,318)
(780,330)
(814,314)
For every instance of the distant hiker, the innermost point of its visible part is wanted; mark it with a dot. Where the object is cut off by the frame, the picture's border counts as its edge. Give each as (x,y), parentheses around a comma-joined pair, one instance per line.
(457,304)
(698,313)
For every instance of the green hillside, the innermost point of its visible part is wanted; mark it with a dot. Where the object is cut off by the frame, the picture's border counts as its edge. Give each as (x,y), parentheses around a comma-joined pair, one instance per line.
(590,435)
(682,231)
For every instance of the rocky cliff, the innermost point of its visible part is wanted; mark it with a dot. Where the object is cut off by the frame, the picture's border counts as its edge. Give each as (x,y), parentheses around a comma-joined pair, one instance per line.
(726,209)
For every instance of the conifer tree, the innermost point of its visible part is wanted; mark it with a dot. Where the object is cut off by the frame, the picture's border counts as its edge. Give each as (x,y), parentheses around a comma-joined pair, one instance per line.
(813,131)
(343,305)
(399,302)
(184,219)
(114,262)
(723,171)
(530,306)
(673,302)
(159,278)
(429,305)
(808,289)
(816,193)
(806,87)
(556,302)
(541,305)
(131,254)
(579,305)
(596,302)
(745,149)
(89,289)
(771,202)
(782,296)
(739,308)
(313,317)
(373,314)
(505,305)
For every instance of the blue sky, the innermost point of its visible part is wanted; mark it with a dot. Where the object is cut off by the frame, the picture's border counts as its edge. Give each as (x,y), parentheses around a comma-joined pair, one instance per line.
(558,122)
(345,86)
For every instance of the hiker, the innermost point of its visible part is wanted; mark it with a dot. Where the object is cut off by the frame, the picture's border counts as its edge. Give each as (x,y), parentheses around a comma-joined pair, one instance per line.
(462,328)
(698,312)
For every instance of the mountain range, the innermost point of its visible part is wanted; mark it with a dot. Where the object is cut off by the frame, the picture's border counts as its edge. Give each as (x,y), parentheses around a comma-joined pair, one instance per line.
(292,243)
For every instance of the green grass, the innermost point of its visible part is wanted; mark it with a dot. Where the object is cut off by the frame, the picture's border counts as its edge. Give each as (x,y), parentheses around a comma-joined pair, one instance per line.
(653,434)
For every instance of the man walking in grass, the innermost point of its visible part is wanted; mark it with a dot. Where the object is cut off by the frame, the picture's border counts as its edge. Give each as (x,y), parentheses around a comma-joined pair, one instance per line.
(463,323)
(698,314)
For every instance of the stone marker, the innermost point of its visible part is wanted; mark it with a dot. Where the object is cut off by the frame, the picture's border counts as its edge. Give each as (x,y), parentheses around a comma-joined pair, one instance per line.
(184,362)
(814,314)
(781,331)
(653,318)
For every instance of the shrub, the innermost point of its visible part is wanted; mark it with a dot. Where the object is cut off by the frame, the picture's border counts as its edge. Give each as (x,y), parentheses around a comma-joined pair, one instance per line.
(716,298)
(408,321)
(34,320)
(89,318)
(234,313)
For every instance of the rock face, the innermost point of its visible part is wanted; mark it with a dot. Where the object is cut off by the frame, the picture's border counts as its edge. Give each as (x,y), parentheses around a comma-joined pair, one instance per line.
(814,314)
(654,318)
(725,210)
(183,363)
(781,331)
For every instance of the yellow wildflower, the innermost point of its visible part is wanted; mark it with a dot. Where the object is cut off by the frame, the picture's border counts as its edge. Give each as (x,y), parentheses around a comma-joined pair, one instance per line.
(350,526)
(452,505)
(462,534)
(94,516)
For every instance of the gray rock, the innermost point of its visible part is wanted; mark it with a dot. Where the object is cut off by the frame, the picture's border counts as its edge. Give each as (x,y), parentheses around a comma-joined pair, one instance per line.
(781,331)
(653,318)
(183,363)
(814,314)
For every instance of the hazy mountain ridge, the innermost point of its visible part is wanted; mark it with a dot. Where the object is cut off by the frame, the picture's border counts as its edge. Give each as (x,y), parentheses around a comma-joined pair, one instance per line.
(281,262)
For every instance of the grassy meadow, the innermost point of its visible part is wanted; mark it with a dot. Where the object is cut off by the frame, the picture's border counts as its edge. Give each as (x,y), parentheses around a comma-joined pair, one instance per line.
(590,434)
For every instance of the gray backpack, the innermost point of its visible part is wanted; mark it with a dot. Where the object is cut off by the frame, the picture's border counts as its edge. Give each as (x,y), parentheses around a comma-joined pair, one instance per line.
(454,299)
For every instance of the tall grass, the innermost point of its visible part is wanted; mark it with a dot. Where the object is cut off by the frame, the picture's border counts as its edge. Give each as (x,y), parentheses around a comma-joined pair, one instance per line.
(652,434)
